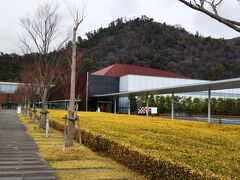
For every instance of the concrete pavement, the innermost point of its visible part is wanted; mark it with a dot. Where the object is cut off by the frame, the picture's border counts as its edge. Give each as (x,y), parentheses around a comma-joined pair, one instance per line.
(19,157)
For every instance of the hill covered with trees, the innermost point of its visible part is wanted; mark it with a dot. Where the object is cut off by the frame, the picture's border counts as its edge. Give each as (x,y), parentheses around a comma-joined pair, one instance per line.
(142,41)
(10,65)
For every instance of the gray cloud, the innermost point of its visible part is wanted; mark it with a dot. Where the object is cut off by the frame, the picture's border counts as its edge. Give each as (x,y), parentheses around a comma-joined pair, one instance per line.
(123,7)
(100,13)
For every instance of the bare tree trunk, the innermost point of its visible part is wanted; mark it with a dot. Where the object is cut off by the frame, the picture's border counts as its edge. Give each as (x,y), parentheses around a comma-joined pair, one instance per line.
(33,112)
(28,107)
(25,106)
(71,109)
(44,112)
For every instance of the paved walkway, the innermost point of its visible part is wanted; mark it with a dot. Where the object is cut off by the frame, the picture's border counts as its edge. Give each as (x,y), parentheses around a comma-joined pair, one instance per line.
(205,119)
(215,120)
(19,157)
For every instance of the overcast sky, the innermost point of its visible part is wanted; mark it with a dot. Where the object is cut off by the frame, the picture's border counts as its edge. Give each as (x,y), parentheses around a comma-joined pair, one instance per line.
(100,12)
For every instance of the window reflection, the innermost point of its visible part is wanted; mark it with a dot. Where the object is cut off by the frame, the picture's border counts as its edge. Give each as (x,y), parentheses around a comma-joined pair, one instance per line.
(8,87)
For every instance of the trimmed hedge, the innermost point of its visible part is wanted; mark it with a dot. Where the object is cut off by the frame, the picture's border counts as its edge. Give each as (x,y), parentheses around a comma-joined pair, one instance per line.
(143,163)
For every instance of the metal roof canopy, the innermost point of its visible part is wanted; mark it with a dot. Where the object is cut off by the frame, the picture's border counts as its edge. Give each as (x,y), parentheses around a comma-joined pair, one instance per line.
(206,86)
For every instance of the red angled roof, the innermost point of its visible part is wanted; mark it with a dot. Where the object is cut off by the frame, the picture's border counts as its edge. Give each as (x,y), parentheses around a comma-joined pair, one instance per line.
(118,70)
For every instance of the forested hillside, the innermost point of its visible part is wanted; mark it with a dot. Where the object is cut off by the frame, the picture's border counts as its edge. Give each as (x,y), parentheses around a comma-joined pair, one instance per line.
(144,42)
(147,43)
(9,67)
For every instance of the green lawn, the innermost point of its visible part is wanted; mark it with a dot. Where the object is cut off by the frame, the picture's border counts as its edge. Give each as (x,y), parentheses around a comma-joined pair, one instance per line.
(203,146)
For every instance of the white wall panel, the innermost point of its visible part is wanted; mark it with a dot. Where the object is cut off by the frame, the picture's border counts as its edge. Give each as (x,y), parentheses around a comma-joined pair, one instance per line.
(123,86)
(136,82)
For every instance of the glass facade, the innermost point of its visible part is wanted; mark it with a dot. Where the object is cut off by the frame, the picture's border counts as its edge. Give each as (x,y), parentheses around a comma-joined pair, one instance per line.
(58,105)
(137,82)
(9,88)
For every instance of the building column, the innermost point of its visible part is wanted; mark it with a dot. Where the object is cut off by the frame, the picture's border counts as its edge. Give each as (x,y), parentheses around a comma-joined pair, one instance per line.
(86,108)
(209,105)
(115,105)
(65,105)
(98,105)
(172,106)
(129,106)
(147,107)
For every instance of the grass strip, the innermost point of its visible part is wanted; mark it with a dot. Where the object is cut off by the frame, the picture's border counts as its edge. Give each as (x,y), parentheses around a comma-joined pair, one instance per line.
(92,165)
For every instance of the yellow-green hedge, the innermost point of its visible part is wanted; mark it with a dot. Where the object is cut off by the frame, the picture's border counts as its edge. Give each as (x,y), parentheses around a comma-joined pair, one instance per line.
(149,166)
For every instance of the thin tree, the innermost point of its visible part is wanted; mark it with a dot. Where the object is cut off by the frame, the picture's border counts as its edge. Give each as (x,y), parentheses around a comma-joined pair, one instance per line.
(78,19)
(32,89)
(210,8)
(20,96)
(41,41)
(65,72)
(3,99)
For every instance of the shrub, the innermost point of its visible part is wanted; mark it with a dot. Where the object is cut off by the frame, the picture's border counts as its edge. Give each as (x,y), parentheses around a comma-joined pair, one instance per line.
(141,162)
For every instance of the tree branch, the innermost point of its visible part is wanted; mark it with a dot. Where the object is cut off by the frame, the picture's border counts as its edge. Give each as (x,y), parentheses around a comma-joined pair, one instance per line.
(200,7)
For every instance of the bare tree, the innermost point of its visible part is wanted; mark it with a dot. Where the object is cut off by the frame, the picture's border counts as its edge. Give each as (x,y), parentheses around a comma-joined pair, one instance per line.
(20,96)
(3,98)
(210,8)
(78,19)
(31,89)
(65,72)
(41,40)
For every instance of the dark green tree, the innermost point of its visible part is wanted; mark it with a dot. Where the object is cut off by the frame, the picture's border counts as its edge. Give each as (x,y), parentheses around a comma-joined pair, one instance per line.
(134,104)
(87,64)
(160,103)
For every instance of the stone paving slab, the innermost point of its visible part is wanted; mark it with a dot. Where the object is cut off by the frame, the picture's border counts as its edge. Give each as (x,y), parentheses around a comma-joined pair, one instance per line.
(19,157)
(22,167)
